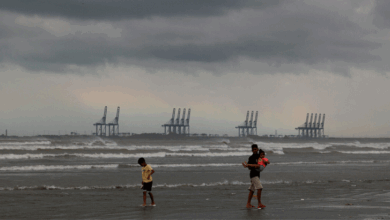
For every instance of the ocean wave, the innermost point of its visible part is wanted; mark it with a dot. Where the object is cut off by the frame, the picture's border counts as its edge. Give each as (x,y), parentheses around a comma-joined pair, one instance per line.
(107,166)
(121,155)
(184,165)
(130,186)
(280,148)
(57,167)
(332,162)
(26,143)
(364,152)
(357,144)
(116,147)
(124,166)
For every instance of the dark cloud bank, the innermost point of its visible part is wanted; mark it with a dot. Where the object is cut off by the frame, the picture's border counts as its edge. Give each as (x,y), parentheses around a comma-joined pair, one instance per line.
(209,35)
(123,9)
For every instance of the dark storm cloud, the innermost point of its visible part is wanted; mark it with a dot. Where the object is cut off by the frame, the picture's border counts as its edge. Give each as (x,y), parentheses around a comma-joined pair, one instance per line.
(382,14)
(289,33)
(123,9)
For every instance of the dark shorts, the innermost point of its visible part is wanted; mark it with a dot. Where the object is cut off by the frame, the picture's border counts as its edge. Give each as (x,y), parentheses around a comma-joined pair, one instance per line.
(147,186)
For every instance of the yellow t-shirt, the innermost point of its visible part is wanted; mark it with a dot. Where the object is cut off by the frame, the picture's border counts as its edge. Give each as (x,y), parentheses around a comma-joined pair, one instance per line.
(145,173)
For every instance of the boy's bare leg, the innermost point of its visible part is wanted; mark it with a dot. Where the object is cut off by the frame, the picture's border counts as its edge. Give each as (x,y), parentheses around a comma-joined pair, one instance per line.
(248,204)
(151,197)
(144,199)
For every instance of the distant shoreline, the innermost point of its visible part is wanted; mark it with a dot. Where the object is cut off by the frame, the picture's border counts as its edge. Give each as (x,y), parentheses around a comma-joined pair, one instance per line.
(251,138)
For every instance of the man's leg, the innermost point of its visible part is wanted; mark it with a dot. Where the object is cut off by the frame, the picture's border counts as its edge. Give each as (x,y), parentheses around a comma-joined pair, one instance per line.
(151,197)
(144,199)
(259,196)
(248,204)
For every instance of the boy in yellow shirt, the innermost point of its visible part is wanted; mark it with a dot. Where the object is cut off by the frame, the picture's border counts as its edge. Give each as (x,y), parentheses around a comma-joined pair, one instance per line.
(147,180)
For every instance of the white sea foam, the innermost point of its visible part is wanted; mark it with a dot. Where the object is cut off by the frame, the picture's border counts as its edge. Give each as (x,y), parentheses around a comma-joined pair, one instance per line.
(277,148)
(121,155)
(364,145)
(199,165)
(164,185)
(114,166)
(25,143)
(113,147)
(57,167)
(364,152)
(280,146)
(209,154)
(332,162)
(108,166)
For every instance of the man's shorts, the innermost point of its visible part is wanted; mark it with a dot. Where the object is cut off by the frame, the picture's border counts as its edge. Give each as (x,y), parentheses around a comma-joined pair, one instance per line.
(147,186)
(255,184)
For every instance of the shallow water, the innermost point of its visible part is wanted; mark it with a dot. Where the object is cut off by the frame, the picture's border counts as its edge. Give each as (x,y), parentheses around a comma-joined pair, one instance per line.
(89,177)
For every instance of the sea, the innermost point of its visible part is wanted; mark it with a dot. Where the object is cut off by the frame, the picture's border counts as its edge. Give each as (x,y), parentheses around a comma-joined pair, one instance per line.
(88,177)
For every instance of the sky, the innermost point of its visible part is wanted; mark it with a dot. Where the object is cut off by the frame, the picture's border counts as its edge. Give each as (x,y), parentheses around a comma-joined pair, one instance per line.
(61,62)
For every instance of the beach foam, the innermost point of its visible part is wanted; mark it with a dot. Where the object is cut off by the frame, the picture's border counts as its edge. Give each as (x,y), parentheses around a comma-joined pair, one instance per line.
(106,166)
(121,155)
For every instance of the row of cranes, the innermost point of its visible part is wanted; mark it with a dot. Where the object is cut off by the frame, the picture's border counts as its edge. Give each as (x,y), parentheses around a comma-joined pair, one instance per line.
(181,126)
(178,126)
(312,129)
(113,126)
(175,126)
(248,127)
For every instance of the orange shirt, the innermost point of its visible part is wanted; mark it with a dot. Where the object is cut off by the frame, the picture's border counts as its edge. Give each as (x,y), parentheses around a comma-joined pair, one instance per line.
(261,161)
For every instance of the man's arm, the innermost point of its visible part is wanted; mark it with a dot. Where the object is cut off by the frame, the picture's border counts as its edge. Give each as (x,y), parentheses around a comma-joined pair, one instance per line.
(150,174)
(254,165)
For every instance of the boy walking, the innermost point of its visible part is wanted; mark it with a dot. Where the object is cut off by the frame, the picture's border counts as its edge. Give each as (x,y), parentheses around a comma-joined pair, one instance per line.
(254,174)
(147,180)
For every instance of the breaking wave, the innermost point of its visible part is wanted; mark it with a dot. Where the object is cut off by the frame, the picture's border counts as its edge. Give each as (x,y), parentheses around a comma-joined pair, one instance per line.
(114,147)
(115,166)
(164,185)
(106,166)
(364,152)
(27,143)
(332,162)
(130,186)
(121,155)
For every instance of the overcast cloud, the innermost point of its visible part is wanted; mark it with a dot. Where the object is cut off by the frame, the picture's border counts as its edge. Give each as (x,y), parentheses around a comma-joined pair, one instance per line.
(60,36)
(208,45)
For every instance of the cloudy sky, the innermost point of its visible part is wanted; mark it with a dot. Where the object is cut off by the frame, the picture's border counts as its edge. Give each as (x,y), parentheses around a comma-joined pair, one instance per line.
(61,62)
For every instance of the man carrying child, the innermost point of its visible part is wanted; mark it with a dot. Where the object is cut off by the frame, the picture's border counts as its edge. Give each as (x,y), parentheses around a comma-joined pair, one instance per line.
(256,164)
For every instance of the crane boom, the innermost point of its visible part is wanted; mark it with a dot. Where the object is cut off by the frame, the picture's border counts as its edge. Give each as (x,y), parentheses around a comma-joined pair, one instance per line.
(251,121)
(307,120)
(178,116)
(188,117)
(311,120)
(255,122)
(247,117)
(184,116)
(173,116)
(319,121)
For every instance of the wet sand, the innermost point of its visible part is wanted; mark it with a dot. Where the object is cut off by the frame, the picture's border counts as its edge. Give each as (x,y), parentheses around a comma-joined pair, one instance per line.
(198,179)
(341,200)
